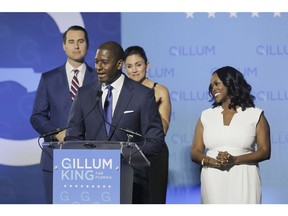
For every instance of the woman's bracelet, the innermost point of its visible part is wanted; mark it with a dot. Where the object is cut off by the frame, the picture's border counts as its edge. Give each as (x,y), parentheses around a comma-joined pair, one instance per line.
(202,161)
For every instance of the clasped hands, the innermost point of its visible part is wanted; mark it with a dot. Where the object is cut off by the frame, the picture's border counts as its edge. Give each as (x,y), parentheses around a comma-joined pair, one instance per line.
(224,160)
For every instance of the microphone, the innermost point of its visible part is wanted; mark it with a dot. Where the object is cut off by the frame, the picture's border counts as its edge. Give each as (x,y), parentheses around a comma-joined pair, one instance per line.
(51,133)
(127,131)
(130,135)
(58,130)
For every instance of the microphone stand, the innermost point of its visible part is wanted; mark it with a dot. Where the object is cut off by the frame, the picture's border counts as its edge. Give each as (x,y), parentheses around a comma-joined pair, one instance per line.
(130,137)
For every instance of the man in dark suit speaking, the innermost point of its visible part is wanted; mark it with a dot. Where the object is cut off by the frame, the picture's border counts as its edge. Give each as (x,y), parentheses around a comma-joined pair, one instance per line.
(132,106)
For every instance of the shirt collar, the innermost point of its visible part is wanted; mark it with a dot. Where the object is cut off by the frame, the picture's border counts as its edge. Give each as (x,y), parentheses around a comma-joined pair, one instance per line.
(70,68)
(117,84)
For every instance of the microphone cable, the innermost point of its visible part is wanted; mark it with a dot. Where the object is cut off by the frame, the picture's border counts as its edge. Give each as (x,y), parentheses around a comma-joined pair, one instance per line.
(58,130)
(129,132)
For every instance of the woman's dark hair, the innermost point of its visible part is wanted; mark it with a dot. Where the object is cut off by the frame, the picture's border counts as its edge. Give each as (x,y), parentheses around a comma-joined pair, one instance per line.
(76,28)
(135,50)
(239,91)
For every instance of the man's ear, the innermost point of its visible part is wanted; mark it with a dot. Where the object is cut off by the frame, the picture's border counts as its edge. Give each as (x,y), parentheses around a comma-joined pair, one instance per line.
(64,46)
(119,64)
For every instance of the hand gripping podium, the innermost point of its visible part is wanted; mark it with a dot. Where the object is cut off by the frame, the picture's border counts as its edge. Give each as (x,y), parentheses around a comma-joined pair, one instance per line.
(87,172)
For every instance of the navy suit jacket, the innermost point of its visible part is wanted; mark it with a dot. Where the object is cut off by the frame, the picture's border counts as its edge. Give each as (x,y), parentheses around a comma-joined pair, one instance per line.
(136,110)
(52,100)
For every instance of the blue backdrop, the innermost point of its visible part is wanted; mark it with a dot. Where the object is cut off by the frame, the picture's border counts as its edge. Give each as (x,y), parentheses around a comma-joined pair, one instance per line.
(183,50)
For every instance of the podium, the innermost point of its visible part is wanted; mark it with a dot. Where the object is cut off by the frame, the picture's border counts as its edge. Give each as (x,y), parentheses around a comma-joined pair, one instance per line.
(87,172)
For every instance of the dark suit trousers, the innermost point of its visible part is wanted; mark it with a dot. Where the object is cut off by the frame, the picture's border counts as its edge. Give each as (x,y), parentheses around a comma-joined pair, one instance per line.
(159,176)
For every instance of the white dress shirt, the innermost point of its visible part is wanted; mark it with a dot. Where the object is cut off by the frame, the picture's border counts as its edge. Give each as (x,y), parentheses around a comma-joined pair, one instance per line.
(70,73)
(117,86)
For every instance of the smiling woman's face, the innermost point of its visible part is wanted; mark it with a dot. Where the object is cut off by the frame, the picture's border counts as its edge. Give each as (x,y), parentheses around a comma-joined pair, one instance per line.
(136,67)
(219,90)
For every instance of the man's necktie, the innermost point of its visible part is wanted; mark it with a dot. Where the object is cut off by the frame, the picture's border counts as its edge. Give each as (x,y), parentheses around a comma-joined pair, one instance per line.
(108,109)
(74,85)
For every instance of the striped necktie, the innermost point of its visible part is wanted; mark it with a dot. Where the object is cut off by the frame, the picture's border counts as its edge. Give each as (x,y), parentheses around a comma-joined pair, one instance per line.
(74,85)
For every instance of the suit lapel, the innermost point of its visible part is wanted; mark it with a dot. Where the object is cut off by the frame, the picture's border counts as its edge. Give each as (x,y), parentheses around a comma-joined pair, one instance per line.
(99,107)
(63,83)
(124,99)
(90,75)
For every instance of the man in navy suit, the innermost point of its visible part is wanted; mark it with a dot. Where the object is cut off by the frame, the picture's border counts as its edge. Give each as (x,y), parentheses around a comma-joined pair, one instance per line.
(53,97)
(133,107)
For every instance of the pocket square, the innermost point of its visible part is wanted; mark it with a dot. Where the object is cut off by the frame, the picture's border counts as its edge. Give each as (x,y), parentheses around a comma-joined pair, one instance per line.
(128,111)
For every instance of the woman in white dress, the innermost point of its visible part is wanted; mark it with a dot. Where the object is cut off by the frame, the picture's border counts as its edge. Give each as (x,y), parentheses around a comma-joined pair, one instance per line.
(230,139)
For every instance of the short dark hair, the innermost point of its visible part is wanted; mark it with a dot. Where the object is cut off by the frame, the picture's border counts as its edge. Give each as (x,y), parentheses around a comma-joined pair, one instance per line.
(76,28)
(135,50)
(114,47)
(239,91)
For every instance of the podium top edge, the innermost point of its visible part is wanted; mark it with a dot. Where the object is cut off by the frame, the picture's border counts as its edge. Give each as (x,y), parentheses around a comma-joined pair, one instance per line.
(84,144)
(87,141)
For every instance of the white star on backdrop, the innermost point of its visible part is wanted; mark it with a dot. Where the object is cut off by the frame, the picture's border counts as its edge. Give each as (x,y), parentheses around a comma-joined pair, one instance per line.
(211,15)
(189,14)
(232,14)
(277,14)
(255,15)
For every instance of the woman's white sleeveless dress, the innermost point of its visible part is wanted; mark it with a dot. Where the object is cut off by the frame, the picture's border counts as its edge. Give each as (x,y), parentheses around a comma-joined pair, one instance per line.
(242,183)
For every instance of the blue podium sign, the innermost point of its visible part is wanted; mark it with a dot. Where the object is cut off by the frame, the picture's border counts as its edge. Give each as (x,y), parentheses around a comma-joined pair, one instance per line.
(86,176)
